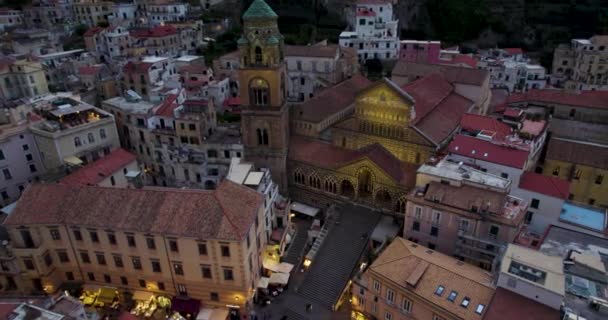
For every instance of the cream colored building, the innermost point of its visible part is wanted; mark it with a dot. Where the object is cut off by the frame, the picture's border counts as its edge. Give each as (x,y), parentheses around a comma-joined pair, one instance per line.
(201,244)
(71,131)
(21,78)
(91,12)
(582,65)
(410,281)
(119,169)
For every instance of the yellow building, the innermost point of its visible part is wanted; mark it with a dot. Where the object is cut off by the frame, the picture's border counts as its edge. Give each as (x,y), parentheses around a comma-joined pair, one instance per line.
(409,281)
(584,164)
(201,244)
(22,78)
(92,12)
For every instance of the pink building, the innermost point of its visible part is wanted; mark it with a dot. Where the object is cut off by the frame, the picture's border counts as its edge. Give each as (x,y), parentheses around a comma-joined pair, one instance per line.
(420,51)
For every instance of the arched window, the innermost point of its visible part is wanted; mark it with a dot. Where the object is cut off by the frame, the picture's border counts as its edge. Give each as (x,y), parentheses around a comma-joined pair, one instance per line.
(331,185)
(91,137)
(77,142)
(258,55)
(102,133)
(259,92)
(400,206)
(265,137)
(298,177)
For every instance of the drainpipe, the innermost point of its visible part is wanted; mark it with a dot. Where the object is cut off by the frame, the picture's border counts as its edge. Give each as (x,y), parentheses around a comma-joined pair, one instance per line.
(170,265)
(74,252)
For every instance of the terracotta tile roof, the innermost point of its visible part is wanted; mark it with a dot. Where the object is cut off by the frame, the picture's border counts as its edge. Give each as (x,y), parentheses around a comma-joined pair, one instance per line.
(587,99)
(402,258)
(157,31)
(332,100)
(194,68)
(328,156)
(329,51)
(226,213)
(89,70)
(137,67)
(452,74)
(582,153)
(437,107)
(166,108)
(475,122)
(533,128)
(513,51)
(480,149)
(551,186)
(6,309)
(361,12)
(508,305)
(93,31)
(95,172)
(460,59)
(513,112)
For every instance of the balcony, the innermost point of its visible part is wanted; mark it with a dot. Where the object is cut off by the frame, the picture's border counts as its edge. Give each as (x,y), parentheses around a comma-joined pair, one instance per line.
(462,234)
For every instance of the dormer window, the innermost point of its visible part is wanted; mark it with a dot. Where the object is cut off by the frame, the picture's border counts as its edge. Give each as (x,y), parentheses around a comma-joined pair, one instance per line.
(439,290)
(465,302)
(479,309)
(452,296)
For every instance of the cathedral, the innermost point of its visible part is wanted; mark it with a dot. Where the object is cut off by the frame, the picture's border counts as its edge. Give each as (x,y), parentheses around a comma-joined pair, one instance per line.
(357,141)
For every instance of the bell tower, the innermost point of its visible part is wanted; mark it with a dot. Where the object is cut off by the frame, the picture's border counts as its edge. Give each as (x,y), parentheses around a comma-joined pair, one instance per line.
(262,81)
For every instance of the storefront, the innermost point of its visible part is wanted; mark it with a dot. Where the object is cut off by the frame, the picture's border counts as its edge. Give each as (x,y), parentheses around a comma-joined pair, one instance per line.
(146,304)
(99,297)
(187,307)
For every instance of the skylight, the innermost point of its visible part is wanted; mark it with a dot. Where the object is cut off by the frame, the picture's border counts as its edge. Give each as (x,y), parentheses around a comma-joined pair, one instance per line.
(452,296)
(479,309)
(465,302)
(439,290)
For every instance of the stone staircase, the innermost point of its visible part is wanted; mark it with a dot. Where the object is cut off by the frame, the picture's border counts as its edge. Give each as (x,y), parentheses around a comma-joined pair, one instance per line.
(338,256)
(294,252)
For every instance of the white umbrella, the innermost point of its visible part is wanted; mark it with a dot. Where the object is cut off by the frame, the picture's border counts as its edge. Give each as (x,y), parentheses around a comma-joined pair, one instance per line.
(279,278)
(263,283)
(284,267)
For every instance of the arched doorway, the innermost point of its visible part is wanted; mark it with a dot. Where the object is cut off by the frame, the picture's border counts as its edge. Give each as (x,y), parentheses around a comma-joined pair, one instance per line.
(365,181)
(383,199)
(347,189)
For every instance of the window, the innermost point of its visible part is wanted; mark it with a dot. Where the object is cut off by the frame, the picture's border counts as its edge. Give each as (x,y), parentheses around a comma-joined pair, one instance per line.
(33,168)
(535,203)
(436,217)
(591,201)
(7,174)
(439,290)
(178,269)
(494,232)
(416,226)
(406,305)
(432,246)
(84,256)
(131,241)
(202,249)
(102,133)
(63,256)
(155,266)
(142,283)
(29,264)
(91,137)
(215,296)
(112,238)
(226,153)
(206,271)
(504,175)
(69,276)
(225,250)
(173,245)
(4,195)
(376,286)
(94,237)
(124,281)
(556,171)
(599,179)
(91,276)
(101,258)
(150,243)
(136,263)
(434,231)
(390,296)
(77,142)
(55,235)
(388,316)
(465,302)
(161,286)
(48,260)
(463,225)
(228,274)
(118,261)
(452,296)
(77,235)
(2,155)
(417,213)
(259,92)
(479,309)
(107,278)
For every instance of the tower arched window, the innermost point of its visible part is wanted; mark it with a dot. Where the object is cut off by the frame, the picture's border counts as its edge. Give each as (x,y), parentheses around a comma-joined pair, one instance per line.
(259,92)
(262,135)
(258,55)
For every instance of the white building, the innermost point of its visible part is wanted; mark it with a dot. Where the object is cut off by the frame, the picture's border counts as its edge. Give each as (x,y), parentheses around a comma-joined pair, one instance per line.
(582,64)
(375,32)
(512,70)
(123,14)
(164,12)
(10,18)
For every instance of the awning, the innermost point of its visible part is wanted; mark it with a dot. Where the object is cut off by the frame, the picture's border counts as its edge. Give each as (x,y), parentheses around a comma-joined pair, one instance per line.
(107,294)
(285,267)
(142,295)
(304,209)
(263,283)
(72,161)
(279,278)
(186,306)
(212,314)
(270,264)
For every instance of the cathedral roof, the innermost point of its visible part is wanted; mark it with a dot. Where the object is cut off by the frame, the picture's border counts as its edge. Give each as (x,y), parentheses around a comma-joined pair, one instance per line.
(259,9)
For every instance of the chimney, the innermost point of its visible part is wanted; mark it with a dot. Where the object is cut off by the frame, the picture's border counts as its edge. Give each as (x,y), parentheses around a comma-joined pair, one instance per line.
(134,179)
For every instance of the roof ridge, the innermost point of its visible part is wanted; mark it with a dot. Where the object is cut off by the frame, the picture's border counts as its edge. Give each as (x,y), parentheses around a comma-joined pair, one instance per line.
(224,212)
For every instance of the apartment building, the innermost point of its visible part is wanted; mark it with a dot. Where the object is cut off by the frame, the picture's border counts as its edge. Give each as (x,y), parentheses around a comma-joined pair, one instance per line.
(190,34)
(374,31)
(131,239)
(124,15)
(160,12)
(409,281)
(313,68)
(71,132)
(463,212)
(47,14)
(147,76)
(92,12)
(21,78)
(119,169)
(10,18)
(582,64)
(160,40)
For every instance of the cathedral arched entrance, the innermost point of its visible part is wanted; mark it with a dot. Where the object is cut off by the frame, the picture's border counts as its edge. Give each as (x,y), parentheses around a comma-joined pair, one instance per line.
(365,181)
(347,189)
(383,199)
